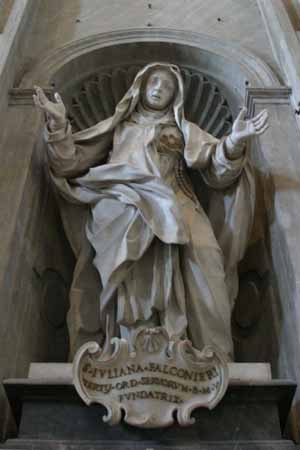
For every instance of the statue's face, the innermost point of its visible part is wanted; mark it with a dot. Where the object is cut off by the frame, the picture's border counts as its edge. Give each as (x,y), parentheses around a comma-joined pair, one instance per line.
(159,90)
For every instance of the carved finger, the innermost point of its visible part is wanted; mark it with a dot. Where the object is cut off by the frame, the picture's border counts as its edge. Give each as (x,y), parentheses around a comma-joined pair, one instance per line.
(261,113)
(262,130)
(258,116)
(261,123)
(242,114)
(42,96)
(37,102)
(58,98)
(261,118)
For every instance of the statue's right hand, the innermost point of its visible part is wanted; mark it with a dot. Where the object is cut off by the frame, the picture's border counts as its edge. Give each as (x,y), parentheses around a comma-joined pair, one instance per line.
(54,111)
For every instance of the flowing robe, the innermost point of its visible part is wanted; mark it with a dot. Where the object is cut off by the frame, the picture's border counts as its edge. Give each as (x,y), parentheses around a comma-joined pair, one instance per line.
(160,259)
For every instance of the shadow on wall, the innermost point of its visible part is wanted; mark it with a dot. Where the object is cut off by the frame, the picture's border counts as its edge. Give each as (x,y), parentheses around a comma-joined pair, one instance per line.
(48,20)
(271,335)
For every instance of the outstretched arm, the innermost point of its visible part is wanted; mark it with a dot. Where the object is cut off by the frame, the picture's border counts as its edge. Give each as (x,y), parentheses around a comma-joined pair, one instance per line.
(229,157)
(55,112)
(66,158)
(242,130)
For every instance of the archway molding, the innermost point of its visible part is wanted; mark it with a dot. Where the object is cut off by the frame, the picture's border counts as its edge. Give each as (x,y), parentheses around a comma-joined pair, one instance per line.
(231,65)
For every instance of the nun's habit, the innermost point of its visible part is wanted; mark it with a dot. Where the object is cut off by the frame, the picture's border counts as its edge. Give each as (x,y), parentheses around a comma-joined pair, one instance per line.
(129,209)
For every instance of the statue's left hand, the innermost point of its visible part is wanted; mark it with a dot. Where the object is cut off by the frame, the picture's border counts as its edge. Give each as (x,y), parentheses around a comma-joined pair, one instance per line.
(243,129)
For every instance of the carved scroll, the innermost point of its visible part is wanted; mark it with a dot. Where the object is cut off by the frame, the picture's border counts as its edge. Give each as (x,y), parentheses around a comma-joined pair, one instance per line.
(152,382)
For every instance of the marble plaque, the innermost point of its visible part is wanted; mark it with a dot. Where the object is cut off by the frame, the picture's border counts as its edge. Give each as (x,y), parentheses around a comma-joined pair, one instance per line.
(152,383)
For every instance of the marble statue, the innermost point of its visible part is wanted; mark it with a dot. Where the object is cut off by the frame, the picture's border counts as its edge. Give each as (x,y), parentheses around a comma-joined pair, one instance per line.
(129,208)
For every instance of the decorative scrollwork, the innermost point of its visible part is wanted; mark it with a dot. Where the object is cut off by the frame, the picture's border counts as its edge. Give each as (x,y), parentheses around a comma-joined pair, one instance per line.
(154,382)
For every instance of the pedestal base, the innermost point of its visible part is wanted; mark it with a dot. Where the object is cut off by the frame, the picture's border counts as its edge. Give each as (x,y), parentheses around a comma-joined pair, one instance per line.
(50,416)
(143,445)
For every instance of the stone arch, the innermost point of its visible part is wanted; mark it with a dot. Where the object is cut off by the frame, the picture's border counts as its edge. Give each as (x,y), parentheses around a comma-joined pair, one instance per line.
(216,74)
(232,66)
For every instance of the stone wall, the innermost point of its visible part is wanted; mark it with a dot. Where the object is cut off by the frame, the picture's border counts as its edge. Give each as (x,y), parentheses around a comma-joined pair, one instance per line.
(33,242)
(60,22)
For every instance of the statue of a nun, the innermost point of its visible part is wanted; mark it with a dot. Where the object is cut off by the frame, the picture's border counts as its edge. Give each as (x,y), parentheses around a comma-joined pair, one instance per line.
(130,212)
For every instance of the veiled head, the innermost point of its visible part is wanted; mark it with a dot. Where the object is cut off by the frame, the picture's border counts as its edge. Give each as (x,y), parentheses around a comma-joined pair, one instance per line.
(159,89)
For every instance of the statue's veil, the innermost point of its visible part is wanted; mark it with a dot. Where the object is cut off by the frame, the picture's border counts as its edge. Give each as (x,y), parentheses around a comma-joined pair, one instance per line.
(130,100)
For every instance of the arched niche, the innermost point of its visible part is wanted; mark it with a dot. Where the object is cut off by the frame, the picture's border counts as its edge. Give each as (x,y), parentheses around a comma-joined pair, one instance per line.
(220,72)
(93,73)
(232,66)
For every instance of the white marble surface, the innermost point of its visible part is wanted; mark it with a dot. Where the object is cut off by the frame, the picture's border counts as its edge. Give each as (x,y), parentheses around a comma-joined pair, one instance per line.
(154,383)
(62,372)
